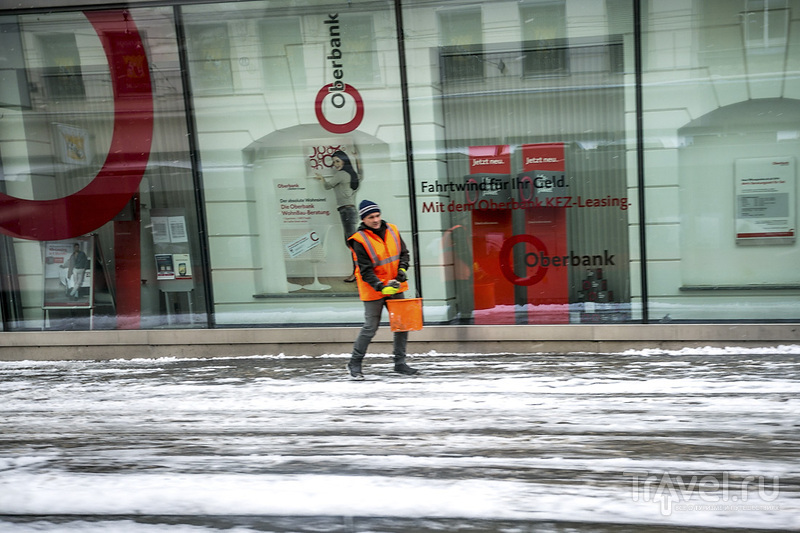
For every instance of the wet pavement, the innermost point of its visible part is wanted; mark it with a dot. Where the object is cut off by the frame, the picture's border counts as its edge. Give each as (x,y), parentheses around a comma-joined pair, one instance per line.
(695,440)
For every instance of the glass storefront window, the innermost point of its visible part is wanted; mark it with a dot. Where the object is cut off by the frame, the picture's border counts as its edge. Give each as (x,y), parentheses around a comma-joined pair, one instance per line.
(520,151)
(503,138)
(721,114)
(99,225)
(307,84)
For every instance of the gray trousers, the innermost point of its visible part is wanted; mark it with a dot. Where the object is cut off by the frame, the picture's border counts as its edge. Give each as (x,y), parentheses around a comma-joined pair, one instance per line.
(372,319)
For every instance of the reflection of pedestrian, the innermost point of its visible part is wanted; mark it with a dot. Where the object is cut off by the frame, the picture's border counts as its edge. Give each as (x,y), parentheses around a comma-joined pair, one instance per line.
(455,253)
(381,262)
(77,265)
(344,182)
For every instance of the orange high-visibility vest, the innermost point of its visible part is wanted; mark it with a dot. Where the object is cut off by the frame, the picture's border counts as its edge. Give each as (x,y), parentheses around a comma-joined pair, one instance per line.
(385,257)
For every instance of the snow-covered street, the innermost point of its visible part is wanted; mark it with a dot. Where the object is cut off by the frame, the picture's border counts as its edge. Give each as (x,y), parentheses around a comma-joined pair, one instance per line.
(655,440)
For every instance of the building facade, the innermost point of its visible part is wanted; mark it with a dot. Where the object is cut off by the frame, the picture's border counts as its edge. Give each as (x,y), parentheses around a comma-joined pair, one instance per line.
(171,164)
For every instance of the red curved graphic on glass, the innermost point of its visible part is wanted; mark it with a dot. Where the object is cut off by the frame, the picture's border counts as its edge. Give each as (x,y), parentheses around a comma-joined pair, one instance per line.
(118,180)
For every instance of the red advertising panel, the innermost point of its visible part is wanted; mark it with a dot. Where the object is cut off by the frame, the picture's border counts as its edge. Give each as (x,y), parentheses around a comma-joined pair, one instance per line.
(519,235)
(543,171)
(495,159)
(544,156)
(548,299)
(489,171)
(493,292)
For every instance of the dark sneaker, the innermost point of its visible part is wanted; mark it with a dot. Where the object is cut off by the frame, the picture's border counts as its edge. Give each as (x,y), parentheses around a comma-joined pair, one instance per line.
(402,368)
(355,370)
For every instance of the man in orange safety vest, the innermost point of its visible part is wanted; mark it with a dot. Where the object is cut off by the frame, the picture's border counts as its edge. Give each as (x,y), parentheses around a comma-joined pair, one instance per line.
(381,260)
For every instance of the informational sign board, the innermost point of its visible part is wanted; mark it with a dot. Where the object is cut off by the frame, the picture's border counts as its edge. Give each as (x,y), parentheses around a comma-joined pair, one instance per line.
(765,200)
(172,250)
(169,229)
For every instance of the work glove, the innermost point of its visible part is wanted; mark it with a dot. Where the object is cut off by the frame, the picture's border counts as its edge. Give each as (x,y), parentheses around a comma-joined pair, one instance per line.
(401,275)
(392,287)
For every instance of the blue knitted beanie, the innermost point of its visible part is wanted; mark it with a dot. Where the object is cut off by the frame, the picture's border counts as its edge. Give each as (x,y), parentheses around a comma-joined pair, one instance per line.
(367,207)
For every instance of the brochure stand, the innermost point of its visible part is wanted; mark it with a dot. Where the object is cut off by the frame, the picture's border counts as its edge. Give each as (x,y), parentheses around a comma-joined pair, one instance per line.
(172,258)
(177,286)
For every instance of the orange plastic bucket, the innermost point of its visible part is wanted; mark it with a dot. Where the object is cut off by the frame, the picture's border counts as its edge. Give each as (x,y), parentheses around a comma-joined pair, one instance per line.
(405,314)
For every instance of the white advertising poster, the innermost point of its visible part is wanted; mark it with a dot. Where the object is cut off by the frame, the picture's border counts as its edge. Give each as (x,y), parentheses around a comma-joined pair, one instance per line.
(765,200)
(183,266)
(73,145)
(318,155)
(68,272)
(165,268)
(308,211)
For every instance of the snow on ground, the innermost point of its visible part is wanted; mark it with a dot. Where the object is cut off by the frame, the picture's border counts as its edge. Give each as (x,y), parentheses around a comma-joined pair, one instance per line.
(699,438)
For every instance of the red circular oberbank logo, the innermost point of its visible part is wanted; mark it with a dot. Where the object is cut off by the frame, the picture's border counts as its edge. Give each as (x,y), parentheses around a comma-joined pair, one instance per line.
(507,260)
(335,93)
